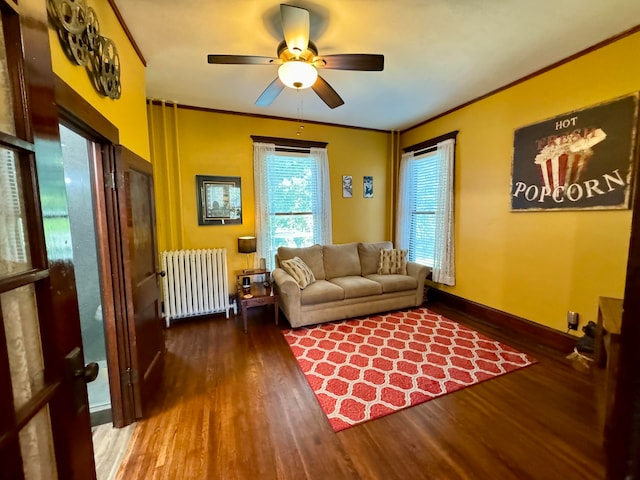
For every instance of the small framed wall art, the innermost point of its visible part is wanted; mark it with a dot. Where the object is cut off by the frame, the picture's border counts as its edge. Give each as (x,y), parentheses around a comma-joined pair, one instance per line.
(347,186)
(219,200)
(367,186)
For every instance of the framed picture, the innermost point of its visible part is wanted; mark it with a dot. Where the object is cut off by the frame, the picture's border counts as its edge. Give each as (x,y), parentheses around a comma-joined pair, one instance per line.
(347,186)
(580,160)
(367,186)
(219,200)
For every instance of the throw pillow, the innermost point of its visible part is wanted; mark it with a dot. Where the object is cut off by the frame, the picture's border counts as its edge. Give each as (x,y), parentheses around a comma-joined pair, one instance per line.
(299,270)
(370,256)
(392,261)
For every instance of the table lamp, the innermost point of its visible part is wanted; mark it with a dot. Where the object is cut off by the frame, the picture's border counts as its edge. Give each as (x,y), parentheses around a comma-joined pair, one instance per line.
(247,245)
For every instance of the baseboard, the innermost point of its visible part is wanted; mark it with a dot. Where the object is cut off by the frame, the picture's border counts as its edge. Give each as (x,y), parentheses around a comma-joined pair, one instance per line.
(540,334)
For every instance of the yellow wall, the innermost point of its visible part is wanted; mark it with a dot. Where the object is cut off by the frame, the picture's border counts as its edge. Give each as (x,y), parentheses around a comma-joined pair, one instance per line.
(188,142)
(536,265)
(128,113)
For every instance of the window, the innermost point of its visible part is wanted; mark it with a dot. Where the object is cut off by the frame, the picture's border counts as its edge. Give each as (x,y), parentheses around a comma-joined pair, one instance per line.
(422,189)
(425,206)
(292,198)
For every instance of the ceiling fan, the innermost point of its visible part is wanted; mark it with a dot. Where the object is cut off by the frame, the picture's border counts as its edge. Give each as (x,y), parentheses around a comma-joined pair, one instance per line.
(298,59)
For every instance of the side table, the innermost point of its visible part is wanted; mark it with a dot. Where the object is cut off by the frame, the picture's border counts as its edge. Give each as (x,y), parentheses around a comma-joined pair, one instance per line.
(259,295)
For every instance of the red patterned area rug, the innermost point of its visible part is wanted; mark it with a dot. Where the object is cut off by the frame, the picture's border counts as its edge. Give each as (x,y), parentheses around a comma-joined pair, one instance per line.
(366,368)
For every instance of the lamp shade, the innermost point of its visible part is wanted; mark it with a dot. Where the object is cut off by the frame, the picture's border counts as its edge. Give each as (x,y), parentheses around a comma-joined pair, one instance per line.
(246,244)
(297,74)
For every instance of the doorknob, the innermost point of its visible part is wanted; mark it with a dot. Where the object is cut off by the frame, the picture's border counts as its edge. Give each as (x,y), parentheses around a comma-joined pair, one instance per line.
(79,375)
(162,273)
(89,373)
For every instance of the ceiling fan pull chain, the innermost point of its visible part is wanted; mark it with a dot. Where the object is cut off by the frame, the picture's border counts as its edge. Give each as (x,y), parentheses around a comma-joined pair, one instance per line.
(300,111)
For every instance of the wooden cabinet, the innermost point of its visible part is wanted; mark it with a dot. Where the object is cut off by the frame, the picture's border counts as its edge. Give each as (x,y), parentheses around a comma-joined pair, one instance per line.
(606,356)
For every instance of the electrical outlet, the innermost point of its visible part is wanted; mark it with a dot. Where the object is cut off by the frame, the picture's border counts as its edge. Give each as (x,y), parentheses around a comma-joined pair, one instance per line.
(572,320)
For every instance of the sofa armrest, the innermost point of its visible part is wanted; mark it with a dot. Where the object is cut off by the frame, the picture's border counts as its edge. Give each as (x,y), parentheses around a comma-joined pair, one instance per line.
(419,272)
(289,292)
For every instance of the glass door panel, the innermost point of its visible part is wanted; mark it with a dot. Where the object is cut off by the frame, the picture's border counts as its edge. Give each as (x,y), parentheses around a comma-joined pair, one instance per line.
(36,447)
(22,335)
(7,122)
(14,244)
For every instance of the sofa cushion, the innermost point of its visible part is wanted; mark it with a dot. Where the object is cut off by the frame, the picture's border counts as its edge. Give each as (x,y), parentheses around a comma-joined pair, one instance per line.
(369,254)
(299,271)
(394,283)
(341,260)
(392,261)
(311,256)
(356,286)
(321,291)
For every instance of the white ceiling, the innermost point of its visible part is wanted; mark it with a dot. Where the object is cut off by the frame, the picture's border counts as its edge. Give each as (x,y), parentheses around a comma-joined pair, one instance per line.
(438,53)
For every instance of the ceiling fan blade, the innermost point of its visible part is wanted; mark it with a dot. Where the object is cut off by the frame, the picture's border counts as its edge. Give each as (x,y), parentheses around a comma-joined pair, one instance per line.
(295,26)
(327,93)
(241,60)
(270,93)
(352,61)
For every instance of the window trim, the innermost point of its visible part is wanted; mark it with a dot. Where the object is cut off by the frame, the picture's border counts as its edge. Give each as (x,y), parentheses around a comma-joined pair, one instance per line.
(282,143)
(419,148)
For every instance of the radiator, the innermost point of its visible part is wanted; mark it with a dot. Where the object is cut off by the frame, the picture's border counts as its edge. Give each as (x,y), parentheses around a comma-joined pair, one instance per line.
(195,283)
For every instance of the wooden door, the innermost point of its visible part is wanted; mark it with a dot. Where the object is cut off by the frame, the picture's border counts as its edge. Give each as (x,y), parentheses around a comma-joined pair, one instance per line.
(44,425)
(144,320)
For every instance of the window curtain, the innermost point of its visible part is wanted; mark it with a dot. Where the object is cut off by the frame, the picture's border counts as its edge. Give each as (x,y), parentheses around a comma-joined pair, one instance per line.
(444,253)
(260,153)
(403,225)
(324,194)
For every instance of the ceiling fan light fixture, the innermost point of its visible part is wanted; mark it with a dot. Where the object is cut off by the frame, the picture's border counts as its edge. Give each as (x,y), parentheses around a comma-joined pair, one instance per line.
(297,74)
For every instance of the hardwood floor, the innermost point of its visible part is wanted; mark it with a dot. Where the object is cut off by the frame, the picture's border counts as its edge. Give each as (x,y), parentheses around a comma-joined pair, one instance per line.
(236,406)
(109,446)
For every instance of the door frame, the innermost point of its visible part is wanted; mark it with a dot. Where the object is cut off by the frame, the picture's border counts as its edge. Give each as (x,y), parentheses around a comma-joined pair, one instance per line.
(623,447)
(76,113)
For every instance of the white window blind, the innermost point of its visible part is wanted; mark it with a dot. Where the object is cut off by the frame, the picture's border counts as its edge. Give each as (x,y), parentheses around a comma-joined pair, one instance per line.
(424,179)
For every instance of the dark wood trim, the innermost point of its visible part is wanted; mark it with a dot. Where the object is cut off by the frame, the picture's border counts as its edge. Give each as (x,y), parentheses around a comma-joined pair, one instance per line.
(80,114)
(123,24)
(127,321)
(18,82)
(109,278)
(431,142)
(289,142)
(266,117)
(623,442)
(23,278)
(557,64)
(15,143)
(534,332)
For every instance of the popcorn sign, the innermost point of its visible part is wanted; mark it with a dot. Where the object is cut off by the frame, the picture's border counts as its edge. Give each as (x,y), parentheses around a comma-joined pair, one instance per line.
(580,160)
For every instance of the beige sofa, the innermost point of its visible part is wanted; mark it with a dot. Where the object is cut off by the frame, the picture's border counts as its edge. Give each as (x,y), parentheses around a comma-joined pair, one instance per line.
(346,283)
